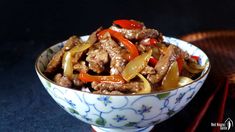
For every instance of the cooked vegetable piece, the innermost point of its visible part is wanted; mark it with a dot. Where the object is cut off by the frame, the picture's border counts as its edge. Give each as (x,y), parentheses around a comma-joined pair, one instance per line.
(180,62)
(68,65)
(149,42)
(136,65)
(76,57)
(195,57)
(147,86)
(80,47)
(153,61)
(165,61)
(85,77)
(192,69)
(196,66)
(128,24)
(184,81)
(171,79)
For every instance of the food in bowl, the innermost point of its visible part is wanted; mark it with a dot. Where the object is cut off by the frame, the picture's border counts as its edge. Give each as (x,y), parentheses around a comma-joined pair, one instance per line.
(110,111)
(126,58)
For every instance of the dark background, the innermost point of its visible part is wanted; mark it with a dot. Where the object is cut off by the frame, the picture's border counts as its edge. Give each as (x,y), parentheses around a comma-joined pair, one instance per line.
(27,27)
(56,20)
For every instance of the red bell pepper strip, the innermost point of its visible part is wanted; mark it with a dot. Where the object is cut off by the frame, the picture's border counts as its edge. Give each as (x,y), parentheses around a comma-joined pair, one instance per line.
(153,61)
(180,62)
(128,44)
(149,42)
(85,77)
(195,57)
(128,24)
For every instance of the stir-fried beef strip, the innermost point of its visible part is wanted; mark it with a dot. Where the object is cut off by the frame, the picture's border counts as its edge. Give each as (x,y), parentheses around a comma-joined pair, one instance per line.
(55,62)
(127,33)
(118,62)
(154,78)
(77,82)
(94,59)
(122,87)
(71,42)
(143,48)
(62,80)
(166,60)
(148,70)
(108,92)
(148,33)
(81,67)
(97,57)
(138,34)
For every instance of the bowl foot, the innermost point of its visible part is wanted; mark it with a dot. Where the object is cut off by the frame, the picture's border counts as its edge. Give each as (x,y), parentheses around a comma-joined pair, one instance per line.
(102,129)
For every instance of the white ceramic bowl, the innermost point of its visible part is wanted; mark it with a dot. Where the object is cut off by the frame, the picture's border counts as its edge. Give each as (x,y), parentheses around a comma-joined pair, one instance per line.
(123,112)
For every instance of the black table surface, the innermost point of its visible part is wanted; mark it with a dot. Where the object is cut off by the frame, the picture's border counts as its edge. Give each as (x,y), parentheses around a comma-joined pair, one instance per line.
(29,27)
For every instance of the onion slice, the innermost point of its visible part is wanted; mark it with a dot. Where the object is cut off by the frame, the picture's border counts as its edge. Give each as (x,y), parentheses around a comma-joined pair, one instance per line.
(147,86)
(184,81)
(136,65)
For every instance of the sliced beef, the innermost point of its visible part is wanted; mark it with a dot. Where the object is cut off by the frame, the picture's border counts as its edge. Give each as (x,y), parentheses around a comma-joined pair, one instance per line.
(118,62)
(93,37)
(55,62)
(148,70)
(148,33)
(71,42)
(62,80)
(138,34)
(107,92)
(77,82)
(127,33)
(142,48)
(153,78)
(126,87)
(80,66)
(171,54)
(97,57)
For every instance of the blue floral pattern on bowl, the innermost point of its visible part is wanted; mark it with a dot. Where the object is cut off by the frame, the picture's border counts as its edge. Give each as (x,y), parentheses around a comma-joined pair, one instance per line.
(130,112)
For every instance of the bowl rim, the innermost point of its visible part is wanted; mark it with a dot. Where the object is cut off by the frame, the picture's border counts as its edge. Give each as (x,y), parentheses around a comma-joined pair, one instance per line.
(37,69)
